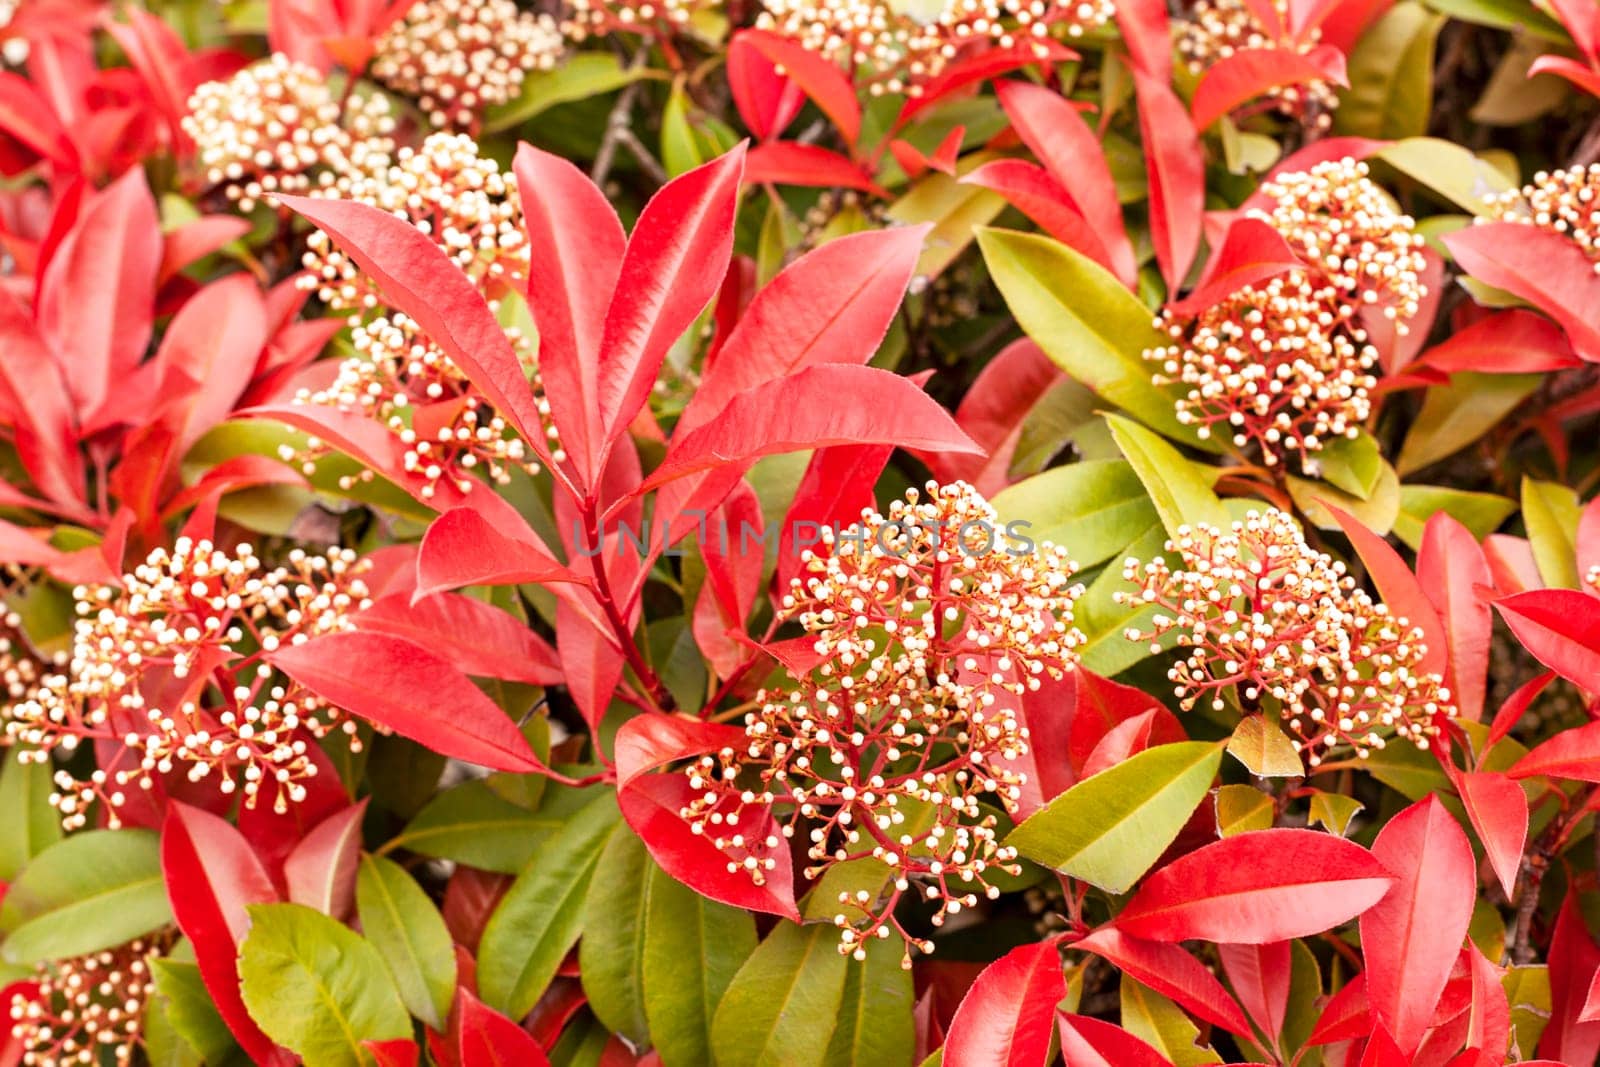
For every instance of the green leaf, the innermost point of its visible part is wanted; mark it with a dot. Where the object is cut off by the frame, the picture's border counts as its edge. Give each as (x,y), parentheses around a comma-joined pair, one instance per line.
(1262,747)
(1406,769)
(1516,15)
(693,947)
(31,825)
(1377,510)
(1242,808)
(955,210)
(471,824)
(583,75)
(1391,76)
(1352,464)
(1104,622)
(1482,513)
(316,987)
(541,916)
(1450,170)
(1455,415)
(1086,322)
(1162,1025)
(88,892)
(1334,810)
(190,1009)
(1109,829)
(1182,497)
(875,1022)
(164,1046)
(783,1005)
(611,955)
(1050,424)
(1093,508)
(1551,513)
(410,935)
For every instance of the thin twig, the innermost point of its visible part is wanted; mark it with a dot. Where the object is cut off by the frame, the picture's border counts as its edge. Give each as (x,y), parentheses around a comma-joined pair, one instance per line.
(618,123)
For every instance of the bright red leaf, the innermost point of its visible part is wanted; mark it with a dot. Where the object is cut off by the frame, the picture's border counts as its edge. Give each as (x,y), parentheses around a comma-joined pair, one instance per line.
(1006,1018)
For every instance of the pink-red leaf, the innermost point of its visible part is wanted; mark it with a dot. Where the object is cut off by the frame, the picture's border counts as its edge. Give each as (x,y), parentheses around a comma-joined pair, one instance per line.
(793,163)
(992,414)
(1412,937)
(1252,72)
(485,1038)
(1006,1017)
(411,690)
(1572,754)
(1584,77)
(1562,630)
(1498,809)
(1574,961)
(1508,342)
(1087,1042)
(396,1052)
(1255,888)
(1450,568)
(1402,593)
(1147,33)
(819,79)
(1547,270)
(478,638)
(987,64)
(462,548)
(1030,189)
(767,100)
(1170,971)
(1177,177)
(321,871)
(1261,976)
(1252,251)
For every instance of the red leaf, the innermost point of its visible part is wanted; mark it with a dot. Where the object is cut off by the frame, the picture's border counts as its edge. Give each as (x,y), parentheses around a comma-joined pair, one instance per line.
(793,163)
(575,246)
(1585,78)
(480,639)
(1512,710)
(1402,593)
(1031,190)
(1260,976)
(411,690)
(1252,72)
(27,116)
(1252,251)
(1547,270)
(992,414)
(1123,741)
(651,804)
(1346,1017)
(1490,1024)
(1147,33)
(767,100)
(1574,961)
(194,240)
(591,664)
(1450,567)
(44,418)
(1588,540)
(1170,971)
(488,1039)
(1087,1042)
(421,281)
(827,404)
(1572,754)
(108,262)
(990,63)
(1507,342)
(1412,937)
(859,279)
(1099,704)
(676,258)
(819,79)
(1383,1051)
(1562,630)
(1054,131)
(1498,809)
(396,1052)
(1006,1017)
(462,548)
(211,875)
(1177,178)
(321,871)
(207,357)
(835,487)
(159,54)
(1256,888)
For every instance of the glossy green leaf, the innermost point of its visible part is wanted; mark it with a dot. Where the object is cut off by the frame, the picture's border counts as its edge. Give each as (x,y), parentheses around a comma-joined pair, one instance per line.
(1455,415)
(1482,513)
(1551,512)
(616,917)
(316,987)
(1106,649)
(875,1021)
(1377,511)
(1452,171)
(1108,829)
(693,947)
(1259,743)
(88,892)
(541,916)
(1181,495)
(1391,75)
(1334,810)
(1094,508)
(955,210)
(1086,322)
(31,825)
(190,1010)
(584,74)
(1243,808)
(1518,15)
(411,937)
(783,1005)
(1351,464)
(471,824)
(1162,1025)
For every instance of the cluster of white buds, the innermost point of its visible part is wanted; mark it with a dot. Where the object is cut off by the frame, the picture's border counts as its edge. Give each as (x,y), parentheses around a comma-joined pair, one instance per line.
(928,634)
(1266,620)
(1345,226)
(459,57)
(652,18)
(897,48)
(1564,202)
(1273,366)
(275,127)
(87,1009)
(464,202)
(23,668)
(171,669)
(400,378)
(1592,579)
(1216,29)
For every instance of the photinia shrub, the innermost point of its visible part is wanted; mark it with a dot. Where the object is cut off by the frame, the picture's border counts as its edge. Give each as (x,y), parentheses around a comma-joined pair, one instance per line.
(800,533)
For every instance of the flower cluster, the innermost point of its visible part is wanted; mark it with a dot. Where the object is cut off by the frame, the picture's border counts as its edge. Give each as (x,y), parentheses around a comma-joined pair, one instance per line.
(1261,615)
(1564,202)
(88,1009)
(458,57)
(1272,365)
(1216,29)
(656,18)
(402,379)
(444,188)
(171,671)
(895,50)
(926,637)
(1344,225)
(275,127)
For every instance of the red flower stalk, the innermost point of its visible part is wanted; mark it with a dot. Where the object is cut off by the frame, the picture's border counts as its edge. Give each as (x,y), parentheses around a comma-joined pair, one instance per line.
(1271,624)
(460,57)
(169,673)
(927,631)
(86,1008)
